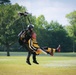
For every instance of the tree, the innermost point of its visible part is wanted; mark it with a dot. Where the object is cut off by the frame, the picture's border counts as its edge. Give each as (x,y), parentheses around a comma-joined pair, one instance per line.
(4,1)
(52,35)
(72,27)
(54,25)
(59,35)
(41,22)
(10,25)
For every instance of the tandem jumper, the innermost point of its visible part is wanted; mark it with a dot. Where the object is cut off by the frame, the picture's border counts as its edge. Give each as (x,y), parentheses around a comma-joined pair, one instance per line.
(27,39)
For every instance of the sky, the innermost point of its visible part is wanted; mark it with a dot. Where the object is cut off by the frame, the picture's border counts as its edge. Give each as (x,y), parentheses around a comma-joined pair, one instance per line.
(55,10)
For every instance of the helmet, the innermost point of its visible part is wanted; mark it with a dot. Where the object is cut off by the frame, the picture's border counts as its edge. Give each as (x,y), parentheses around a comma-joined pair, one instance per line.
(30,26)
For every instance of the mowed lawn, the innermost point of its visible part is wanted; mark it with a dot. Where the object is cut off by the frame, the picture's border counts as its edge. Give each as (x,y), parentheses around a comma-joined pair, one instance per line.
(65,64)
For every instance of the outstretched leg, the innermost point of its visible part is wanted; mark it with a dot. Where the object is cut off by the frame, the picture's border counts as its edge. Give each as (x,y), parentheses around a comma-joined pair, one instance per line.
(51,50)
(34,58)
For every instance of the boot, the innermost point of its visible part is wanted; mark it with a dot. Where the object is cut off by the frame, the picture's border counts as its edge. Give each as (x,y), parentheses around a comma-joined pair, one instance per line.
(35,62)
(58,49)
(28,62)
(34,59)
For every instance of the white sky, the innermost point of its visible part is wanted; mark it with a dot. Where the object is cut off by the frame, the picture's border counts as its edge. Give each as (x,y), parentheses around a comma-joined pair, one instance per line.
(52,9)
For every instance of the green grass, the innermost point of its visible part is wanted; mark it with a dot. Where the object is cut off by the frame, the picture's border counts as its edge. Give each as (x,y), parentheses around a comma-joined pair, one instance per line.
(70,54)
(60,64)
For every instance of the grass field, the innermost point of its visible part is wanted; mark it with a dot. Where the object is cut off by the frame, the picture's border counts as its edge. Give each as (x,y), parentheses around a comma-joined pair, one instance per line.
(60,64)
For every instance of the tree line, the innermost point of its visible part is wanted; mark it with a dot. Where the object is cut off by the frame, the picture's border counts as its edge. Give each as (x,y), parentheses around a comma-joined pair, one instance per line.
(48,34)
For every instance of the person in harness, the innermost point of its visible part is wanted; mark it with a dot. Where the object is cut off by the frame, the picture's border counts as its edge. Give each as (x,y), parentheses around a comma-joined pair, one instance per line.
(33,48)
(23,41)
(36,49)
(27,39)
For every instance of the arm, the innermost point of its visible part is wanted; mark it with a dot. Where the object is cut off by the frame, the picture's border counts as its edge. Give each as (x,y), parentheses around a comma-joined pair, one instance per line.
(30,42)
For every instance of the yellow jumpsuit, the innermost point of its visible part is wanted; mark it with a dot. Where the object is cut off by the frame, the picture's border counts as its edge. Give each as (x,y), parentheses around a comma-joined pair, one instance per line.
(33,45)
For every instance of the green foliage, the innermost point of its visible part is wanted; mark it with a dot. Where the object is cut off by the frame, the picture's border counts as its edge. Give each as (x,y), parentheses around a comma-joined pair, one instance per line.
(48,34)
(4,1)
(72,20)
(53,35)
(10,24)
(41,22)
(72,27)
